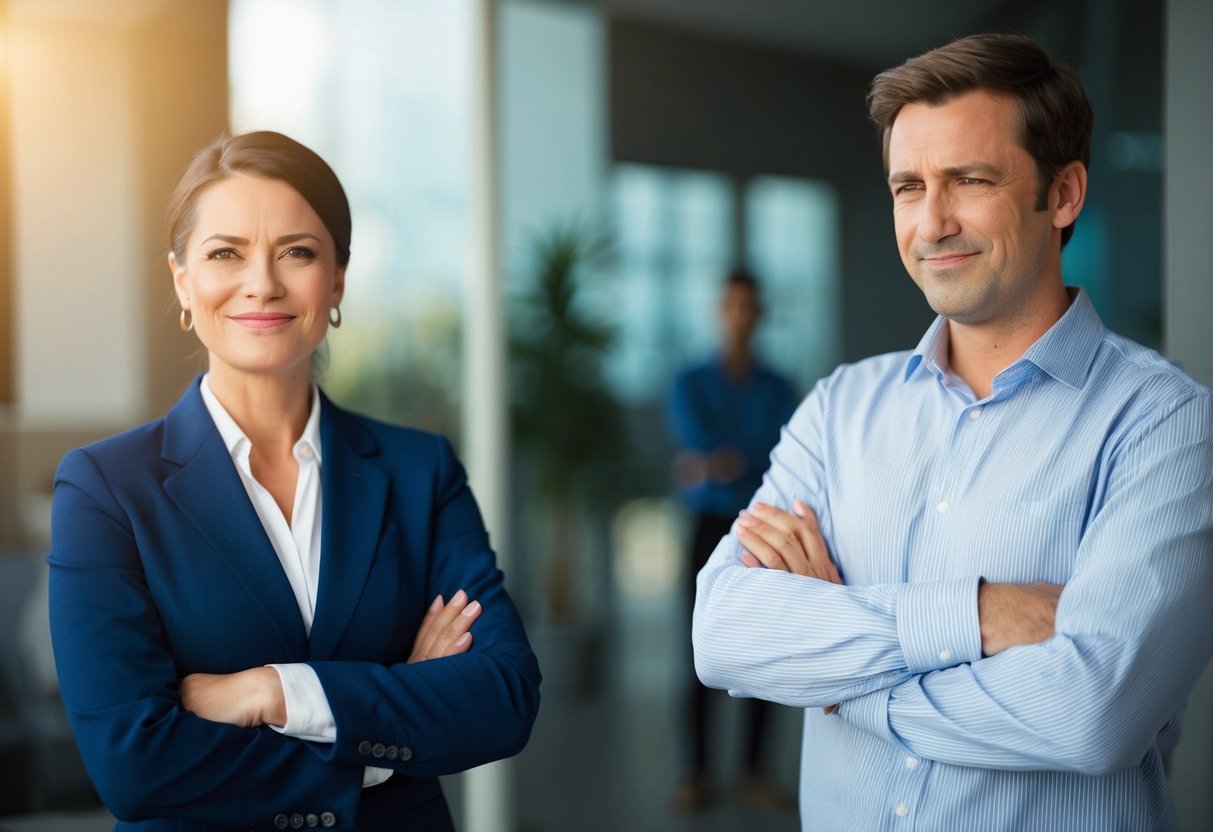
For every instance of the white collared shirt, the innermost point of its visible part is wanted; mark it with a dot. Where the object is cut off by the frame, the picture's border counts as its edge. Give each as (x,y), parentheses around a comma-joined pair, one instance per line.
(297,545)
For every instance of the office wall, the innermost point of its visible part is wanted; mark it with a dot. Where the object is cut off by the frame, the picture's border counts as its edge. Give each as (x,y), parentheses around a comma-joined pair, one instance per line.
(106,110)
(689,100)
(1188,306)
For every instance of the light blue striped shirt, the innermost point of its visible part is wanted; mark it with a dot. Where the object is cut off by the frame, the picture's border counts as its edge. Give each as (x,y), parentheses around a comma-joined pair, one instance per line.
(1090,465)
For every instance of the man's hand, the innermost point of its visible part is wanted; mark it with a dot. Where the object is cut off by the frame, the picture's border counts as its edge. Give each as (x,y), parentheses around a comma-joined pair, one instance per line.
(247,699)
(791,542)
(1012,614)
(445,629)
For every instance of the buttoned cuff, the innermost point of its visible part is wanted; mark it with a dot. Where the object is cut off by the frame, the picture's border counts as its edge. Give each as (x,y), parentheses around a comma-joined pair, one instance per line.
(870,713)
(308,715)
(937,624)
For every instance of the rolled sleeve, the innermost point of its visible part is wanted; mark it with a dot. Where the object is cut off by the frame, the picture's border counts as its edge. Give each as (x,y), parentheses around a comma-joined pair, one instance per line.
(937,624)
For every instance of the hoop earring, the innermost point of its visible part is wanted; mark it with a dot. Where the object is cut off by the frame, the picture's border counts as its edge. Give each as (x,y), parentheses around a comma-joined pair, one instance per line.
(185,320)
(335,322)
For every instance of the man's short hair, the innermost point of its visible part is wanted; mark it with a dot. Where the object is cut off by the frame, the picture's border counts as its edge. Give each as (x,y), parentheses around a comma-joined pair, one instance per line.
(1056,115)
(742,277)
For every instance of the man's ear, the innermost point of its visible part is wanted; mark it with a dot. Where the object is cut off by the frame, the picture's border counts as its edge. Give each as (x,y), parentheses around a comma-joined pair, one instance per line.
(1067,194)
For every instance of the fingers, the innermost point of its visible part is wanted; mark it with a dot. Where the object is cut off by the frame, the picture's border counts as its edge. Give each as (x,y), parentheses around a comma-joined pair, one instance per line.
(444,629)
(774,549)
(788,541)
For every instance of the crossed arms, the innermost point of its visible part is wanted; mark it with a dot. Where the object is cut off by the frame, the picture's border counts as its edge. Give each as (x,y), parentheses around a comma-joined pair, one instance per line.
(987,675)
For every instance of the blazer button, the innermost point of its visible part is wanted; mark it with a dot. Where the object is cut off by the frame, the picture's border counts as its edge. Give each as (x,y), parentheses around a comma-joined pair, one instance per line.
(281,821)
(296,821)
(406,753)
(312,820)
(378,751)
(328,819)
(392,752)
(364,747)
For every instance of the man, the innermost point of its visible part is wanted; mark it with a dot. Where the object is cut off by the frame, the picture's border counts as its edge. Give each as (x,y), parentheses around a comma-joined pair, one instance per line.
(726,414)
(1020,509)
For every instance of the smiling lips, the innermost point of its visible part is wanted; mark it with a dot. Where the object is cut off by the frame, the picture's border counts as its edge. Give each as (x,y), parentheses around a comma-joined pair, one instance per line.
(942,261)
(263,320)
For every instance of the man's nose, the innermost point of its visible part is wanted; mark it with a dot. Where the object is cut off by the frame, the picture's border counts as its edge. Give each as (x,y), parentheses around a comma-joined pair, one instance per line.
(937,220)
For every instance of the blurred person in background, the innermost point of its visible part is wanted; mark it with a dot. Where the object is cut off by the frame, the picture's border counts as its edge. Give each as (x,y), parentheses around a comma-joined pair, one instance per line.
(1019,510)
(269,612)
(725,413)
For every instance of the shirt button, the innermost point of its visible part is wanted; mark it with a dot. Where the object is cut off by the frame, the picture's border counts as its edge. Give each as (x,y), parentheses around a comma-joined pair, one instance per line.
(281,821)
(392,752)
(305,451)
(945,655)
(406,753)
(296,821)
(943,506)
(328,820)
(312,820)
(975,414)
(364,747)
(911,762)
(902,810)
(378,751)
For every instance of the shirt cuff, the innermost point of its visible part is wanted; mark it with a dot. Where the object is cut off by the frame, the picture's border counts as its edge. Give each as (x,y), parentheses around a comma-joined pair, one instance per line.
(308,715)
(937,624)
(870,713)
(372,776)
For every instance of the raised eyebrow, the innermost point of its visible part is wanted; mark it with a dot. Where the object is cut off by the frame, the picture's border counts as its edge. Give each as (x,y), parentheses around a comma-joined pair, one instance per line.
(904,176)
(294,238)
(227,238)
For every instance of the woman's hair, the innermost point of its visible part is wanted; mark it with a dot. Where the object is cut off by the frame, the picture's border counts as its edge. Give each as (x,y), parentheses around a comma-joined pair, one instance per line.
(1056,117)
(266,155)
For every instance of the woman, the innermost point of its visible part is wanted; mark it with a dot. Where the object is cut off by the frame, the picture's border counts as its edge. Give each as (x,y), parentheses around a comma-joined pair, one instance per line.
(262,604)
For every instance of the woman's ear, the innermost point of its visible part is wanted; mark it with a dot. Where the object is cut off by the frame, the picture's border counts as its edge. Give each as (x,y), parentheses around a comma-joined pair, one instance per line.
(1068,193)
(178,272)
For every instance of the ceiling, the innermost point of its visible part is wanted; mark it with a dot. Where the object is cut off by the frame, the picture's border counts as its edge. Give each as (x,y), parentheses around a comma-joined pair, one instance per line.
(872,34)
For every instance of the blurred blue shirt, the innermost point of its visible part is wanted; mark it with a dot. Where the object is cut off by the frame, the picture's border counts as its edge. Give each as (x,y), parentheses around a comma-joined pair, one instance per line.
(1090,465)
(710,411)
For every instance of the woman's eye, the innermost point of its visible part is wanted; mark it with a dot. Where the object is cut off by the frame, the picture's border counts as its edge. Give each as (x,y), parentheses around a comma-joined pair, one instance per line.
(300,252)
(221,254)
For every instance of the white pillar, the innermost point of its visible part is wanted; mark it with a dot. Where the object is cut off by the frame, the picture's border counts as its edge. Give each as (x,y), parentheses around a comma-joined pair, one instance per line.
(1187,305)
(487,793)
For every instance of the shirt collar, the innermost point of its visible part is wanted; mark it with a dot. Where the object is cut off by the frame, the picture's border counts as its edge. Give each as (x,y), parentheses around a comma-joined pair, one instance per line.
(1065,352)
(238,443)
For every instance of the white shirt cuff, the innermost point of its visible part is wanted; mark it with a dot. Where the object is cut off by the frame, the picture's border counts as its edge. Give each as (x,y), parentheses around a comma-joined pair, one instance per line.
(308,715)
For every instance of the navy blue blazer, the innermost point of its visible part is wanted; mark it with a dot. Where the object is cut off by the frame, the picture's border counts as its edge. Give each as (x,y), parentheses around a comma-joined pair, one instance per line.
(160,568)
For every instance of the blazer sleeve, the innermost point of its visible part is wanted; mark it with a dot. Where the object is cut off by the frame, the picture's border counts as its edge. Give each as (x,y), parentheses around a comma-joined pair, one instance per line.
(148,757)
(449,714)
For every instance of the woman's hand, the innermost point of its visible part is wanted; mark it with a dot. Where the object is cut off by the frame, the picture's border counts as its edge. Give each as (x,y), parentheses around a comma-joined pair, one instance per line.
(445,630)
(791,542)
(247,699)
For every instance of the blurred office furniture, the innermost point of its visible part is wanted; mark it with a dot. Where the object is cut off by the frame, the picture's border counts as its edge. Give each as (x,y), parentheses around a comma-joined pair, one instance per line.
(40,767)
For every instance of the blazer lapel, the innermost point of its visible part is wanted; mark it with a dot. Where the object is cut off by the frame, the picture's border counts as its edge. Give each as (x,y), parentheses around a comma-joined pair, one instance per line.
(354,494)
(207,489)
